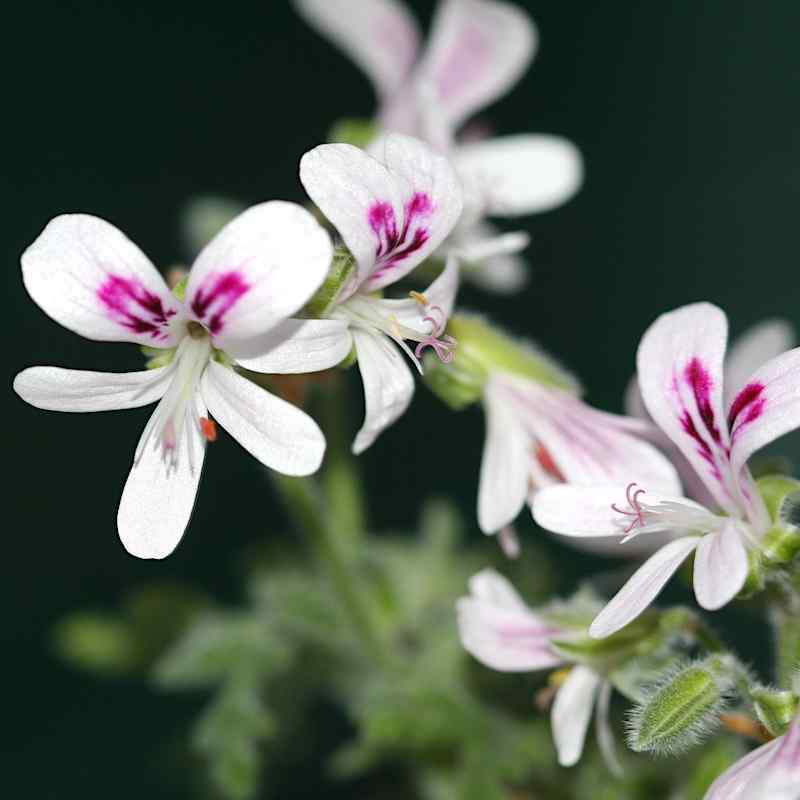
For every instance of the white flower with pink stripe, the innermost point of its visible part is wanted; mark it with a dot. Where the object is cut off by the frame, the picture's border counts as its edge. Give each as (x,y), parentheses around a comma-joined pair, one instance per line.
(771,772)
(392,209)
(503,633)
(477,50)
(258,271)
(680,368)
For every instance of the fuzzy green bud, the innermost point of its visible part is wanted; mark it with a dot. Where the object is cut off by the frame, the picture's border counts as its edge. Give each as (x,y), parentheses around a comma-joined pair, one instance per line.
(483,348)
(775,708)
(341,269)
(781,496)
(683,708)
(357,131)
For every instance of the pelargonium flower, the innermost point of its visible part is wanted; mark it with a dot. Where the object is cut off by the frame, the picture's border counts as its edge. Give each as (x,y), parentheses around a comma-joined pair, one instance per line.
(257,272)
(539,432)
(680,368)
(503,633)
(771,772)
(392,211)
(477,51)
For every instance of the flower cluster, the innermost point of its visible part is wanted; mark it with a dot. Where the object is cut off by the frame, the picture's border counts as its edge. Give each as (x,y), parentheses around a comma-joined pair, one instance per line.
(286,289)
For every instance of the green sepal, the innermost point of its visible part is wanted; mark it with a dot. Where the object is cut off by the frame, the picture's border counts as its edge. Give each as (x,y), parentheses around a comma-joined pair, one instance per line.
(357,131)
(179,289)
(775,708)
(341,269)
(781,496)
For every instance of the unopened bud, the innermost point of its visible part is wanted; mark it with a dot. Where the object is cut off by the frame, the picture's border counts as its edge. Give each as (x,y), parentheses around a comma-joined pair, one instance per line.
(775,708)
(683,708)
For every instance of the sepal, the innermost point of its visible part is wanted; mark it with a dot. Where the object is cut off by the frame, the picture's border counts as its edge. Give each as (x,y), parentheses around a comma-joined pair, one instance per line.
(775,708)
(357,131)
(341,270)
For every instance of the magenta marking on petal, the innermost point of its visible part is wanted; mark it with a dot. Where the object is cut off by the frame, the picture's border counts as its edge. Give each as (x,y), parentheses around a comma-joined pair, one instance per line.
(699,380)
(131,305)
(216,296)
(747,407)
(394,244)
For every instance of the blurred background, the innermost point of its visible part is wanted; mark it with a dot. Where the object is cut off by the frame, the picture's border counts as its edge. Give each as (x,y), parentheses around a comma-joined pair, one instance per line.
(686,114)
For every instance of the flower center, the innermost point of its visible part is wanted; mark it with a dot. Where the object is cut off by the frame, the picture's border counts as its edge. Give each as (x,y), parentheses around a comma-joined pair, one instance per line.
(374,314)
(178,413)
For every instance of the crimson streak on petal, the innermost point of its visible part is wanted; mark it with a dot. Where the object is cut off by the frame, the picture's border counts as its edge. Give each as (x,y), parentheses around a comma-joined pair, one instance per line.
(131,305)
(395,244)
(747,406)
(216,296)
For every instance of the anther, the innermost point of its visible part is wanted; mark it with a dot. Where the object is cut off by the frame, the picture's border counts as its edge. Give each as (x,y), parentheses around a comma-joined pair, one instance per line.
(208,428)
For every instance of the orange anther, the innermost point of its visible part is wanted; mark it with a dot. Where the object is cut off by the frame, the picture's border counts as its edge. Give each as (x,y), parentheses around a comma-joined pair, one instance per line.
(208,428)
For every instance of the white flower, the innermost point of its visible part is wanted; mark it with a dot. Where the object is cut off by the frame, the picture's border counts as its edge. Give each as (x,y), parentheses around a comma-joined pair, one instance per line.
(540,435)
(261,268)
(680,368)
(498,628)
(771,772)
(477,51)
(392,211)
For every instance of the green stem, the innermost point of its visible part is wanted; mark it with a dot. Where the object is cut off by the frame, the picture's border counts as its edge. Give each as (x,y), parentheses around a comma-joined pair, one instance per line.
(304,503)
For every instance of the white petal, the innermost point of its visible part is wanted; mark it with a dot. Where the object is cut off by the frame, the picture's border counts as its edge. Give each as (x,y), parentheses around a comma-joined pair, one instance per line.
(279,435)
(780,778)
(392,211)
(642,587)
(296,346)
(505,471)
(519,175)
(734,783)
(605,736)
(571,712)
(388,385)
(57,389)
(441,294)
(157,502)
(477,52)
(586,510)
(490,258)
(381,36)
(753,349)
(258,270)
(88,276)
(720,567)
(767,407)
(680,374)
(498,629)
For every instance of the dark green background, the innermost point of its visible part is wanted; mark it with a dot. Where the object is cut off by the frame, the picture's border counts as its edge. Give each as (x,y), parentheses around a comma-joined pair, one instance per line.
(686,113)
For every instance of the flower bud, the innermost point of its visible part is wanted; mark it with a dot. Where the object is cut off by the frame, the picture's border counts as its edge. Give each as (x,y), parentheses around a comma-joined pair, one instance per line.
(781,496)
(482,349)
(775,708)
(683,708)
(342,267)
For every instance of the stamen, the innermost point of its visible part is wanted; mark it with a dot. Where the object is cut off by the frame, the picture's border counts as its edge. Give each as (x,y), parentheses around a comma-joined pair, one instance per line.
(419,297)
(632,494)
(208,428)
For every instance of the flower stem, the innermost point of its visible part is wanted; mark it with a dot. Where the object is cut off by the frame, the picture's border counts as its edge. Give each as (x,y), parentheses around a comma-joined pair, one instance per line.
(304,503)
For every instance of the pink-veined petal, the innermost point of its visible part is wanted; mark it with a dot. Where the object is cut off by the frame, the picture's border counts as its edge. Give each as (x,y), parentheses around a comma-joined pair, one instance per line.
(642,587)
(571,712)
(767,407)
(392,210)
(586,511)
(261,268)
(279,435)
(780,778)
(57,389)
(388,385)
(505,470)
(584,446)
(157,501)
(754,348)
(478,50)
(515,176)
(733,783)
(89,277)
(720,567)
(498,629)
(297,346)
(380,36)
(680,372)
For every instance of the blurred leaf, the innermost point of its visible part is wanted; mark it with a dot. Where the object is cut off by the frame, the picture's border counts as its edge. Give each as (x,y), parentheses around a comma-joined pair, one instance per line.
(97,643)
